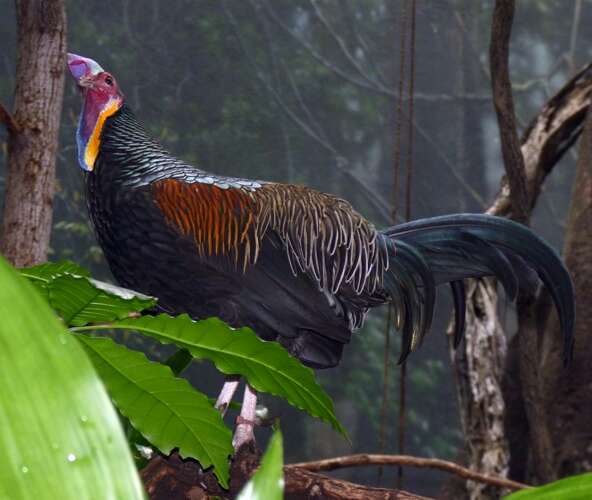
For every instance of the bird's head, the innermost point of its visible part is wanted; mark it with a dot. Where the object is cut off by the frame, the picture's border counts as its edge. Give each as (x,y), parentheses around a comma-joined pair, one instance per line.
(101,99)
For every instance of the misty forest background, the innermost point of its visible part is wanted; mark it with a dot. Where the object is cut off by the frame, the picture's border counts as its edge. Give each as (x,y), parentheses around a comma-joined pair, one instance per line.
(306,92)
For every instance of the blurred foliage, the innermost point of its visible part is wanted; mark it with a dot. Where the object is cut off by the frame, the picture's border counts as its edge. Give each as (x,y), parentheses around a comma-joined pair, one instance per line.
(305,92)
(59,430)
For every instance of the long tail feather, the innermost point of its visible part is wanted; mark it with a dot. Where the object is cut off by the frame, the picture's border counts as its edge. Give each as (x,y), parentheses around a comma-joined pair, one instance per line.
(408,266)
(461,246)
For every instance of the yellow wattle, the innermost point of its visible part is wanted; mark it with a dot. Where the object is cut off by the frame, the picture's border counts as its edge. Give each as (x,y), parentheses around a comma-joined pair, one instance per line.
(94,141)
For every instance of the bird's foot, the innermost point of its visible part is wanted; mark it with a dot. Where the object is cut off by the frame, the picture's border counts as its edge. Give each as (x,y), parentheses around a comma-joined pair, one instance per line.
(246,420)
(244,432)
(228,390)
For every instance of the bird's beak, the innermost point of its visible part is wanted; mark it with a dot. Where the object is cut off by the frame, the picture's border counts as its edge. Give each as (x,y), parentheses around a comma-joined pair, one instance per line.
(83,70)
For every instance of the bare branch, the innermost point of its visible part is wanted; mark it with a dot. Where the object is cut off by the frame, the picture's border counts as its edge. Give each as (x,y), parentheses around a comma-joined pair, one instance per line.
(363,43)
(375,86)
(550,134)
(5,117)
(343,46)
(370,195)
(302,483)
(501,28)
(364,460)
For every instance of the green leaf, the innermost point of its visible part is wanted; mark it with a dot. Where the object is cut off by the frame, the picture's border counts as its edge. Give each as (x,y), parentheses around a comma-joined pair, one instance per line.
(166,410)
(59,433)
(571,488)
(43,274)
(268,482)
(79,299)
(266,365)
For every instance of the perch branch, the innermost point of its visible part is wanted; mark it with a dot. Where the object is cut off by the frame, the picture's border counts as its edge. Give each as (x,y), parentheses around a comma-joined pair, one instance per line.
(301,483)
(172,477)
(363,460)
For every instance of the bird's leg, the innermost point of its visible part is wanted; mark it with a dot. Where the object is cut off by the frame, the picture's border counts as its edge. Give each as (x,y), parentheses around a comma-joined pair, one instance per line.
(246,420)
(228,389)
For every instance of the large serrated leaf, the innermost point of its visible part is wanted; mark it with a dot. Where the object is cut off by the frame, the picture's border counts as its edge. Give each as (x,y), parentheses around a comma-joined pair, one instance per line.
(47,270)
(79,299)
(42,274)
(570,488)
(268,482)
(166,410)
(267,366)
(59,434)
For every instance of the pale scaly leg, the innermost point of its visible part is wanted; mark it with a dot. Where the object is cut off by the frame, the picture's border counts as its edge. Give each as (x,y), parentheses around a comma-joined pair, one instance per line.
(246,420)
(227,392)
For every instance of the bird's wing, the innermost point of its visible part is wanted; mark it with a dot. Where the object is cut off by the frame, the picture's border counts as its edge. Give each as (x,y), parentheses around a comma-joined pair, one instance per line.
(322,235)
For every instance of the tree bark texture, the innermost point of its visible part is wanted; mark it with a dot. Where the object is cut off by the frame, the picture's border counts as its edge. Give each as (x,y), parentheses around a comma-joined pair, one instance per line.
(478,368)
(567,395)
(41,51)
(543,144)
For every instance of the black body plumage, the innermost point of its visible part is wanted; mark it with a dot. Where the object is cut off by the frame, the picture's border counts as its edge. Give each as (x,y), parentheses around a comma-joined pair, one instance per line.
(295,265)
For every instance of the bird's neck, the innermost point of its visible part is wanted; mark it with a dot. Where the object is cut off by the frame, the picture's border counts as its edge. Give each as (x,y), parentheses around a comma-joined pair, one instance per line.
(125,135)
(127,151)
(130,158)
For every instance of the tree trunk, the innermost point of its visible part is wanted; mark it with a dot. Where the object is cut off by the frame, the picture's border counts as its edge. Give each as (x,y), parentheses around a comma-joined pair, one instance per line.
(567,390)
(478,367)
(32,146)
(545,141)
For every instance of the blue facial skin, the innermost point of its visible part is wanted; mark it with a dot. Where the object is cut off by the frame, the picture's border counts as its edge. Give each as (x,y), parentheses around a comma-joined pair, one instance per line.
(81,142)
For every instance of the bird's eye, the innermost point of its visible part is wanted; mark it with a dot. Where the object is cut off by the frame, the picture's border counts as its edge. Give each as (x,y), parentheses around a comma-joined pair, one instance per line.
(109,81)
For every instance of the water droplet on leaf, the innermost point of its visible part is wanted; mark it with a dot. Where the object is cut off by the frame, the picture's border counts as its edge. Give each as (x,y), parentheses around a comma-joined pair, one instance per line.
(71,457)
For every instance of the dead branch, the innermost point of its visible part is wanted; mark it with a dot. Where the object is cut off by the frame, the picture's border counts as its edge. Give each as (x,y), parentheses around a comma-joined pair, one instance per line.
(501,28)
(376,85)
(363,72)
(8,120)
(303,484)
(550,134)
(370,195)
(364,460)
